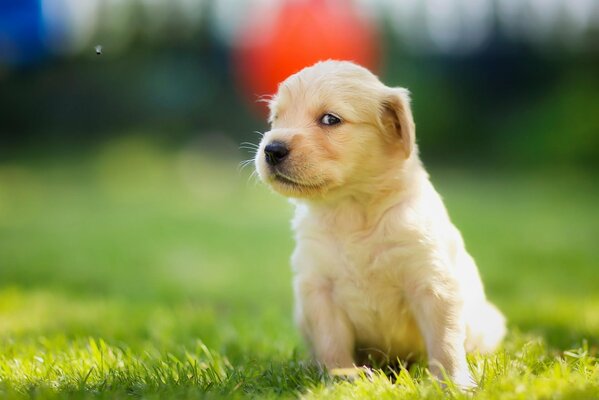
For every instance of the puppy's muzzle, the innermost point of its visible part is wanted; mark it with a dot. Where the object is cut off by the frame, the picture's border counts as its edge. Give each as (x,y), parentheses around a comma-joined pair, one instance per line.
(275,153)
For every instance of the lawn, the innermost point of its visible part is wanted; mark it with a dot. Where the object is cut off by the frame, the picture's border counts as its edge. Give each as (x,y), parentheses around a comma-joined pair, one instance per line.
(135,271)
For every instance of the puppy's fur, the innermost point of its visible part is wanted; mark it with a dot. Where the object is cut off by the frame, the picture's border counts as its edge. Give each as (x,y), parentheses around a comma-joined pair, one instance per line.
(379,268)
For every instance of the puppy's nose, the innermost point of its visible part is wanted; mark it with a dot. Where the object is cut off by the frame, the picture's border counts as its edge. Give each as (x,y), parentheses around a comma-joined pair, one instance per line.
(275,152)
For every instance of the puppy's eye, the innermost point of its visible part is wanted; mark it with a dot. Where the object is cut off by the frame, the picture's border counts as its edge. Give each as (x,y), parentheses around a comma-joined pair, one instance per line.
(330,120)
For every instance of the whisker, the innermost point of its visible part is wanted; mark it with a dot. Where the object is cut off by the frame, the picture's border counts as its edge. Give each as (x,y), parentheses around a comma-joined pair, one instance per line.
(254,177)
(249,144)
(243,164)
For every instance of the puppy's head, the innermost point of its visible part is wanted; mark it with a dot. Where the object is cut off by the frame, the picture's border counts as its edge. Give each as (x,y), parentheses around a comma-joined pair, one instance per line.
(334,127)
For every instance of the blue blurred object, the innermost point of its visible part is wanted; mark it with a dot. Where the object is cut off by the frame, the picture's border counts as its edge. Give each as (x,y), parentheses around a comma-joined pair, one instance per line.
(21,32)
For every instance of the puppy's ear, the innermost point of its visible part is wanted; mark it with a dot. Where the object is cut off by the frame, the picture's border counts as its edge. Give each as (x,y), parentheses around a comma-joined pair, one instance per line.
(397,118)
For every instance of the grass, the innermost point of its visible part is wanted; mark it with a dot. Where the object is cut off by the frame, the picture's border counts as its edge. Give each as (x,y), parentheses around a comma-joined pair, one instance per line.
(140,272)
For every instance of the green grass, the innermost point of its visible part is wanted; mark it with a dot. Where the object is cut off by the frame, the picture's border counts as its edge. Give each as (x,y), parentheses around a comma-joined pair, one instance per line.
(138,272)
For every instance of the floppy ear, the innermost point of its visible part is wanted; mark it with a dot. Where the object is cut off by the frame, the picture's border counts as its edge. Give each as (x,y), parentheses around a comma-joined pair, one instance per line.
(398,120)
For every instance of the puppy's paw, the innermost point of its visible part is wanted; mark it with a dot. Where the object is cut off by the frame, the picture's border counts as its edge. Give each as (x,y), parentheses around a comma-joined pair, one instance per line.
(461,378)
(464,381)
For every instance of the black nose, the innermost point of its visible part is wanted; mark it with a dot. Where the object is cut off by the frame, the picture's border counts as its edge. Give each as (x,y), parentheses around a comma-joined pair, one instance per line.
(275,152)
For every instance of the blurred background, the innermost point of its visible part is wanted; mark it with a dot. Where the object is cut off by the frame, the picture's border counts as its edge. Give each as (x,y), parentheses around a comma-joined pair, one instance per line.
(494,82)
(121,131)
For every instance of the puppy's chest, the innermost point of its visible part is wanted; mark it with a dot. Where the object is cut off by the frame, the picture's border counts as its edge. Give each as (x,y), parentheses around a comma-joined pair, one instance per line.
(368,284)
(367,272)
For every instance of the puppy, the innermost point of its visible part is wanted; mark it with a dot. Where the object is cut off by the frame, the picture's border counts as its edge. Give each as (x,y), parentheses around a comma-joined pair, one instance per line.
(379,269)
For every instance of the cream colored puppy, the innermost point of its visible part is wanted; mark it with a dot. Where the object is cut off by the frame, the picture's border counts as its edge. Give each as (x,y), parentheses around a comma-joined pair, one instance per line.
(379,268)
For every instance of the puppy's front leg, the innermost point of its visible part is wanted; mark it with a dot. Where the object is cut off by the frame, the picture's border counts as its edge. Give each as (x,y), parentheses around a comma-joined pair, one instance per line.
(324,324)
(437,308)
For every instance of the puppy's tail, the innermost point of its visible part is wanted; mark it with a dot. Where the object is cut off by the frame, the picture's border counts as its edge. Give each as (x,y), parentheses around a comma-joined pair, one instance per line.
(485,329)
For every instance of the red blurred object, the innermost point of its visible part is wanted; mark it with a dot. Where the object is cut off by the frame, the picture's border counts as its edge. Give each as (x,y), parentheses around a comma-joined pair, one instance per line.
(275,43)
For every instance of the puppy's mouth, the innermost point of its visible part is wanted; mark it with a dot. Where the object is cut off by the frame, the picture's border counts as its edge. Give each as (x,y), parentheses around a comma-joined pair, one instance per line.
(285,179)
(281,177)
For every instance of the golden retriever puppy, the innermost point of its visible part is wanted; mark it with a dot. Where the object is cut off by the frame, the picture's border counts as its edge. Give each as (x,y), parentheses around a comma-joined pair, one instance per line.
(379,269)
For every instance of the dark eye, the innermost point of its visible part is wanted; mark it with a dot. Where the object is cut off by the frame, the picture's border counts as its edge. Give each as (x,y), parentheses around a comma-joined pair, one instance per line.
(330,119)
